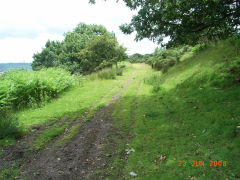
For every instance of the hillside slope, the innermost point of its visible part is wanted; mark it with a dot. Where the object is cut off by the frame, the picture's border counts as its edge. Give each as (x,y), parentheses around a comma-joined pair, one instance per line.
(187,125)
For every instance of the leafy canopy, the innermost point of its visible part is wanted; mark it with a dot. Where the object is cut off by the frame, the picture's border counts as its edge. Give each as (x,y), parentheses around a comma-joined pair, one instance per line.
(184,21)
(82,50)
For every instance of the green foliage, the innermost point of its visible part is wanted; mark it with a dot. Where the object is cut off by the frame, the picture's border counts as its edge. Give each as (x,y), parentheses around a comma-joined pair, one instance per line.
(104,65)
(184,21)
(9,126)
(9,174)
(48,135)
(22,88)
(139,58)
(199,47)
(163,59)
(49,55)
(87,49)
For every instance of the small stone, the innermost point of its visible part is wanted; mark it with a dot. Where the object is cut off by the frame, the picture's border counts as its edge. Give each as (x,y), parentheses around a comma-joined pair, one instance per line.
(195,107)
(238,127)
(133,174)
(58,159)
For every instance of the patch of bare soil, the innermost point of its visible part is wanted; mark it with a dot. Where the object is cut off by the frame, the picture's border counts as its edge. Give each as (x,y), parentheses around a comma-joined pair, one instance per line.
(16,153)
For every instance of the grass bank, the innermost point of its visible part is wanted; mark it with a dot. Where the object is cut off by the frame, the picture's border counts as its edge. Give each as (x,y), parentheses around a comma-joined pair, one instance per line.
(186,122)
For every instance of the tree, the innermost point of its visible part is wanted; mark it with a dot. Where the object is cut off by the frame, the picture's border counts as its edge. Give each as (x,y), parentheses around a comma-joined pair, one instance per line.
(184,21)
(49,55)
(81,51)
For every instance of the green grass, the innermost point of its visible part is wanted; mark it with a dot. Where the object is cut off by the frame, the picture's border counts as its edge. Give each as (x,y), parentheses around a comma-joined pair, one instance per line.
(9,174)
(76,101)
(123,116)
(71,105)
(193,116)
(47,136)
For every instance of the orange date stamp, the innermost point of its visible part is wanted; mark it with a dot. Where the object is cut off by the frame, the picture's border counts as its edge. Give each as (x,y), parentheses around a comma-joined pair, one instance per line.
(203,163)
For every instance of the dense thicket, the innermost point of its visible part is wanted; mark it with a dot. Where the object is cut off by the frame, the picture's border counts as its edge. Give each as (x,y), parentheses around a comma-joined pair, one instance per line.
(163,59)
(184,21)
(84,50)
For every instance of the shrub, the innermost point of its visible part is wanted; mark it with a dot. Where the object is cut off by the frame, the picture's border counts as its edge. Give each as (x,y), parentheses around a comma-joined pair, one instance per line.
(163,59)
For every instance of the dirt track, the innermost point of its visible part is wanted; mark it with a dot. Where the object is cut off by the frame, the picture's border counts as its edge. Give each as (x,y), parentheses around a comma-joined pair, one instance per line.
(78,159)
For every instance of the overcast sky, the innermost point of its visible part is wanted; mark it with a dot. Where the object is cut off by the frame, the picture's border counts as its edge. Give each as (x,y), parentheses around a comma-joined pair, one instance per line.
(26,25)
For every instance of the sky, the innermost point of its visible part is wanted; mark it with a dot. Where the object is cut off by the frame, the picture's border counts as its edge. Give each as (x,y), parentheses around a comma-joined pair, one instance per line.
(26,25)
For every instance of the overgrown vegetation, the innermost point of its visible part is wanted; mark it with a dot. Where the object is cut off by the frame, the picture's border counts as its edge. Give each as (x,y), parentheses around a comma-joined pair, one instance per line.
(20,89)
(86,49)
(163,59)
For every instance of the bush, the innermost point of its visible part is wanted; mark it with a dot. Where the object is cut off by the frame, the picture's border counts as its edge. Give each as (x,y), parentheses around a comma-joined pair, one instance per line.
(22,88)
(163,59)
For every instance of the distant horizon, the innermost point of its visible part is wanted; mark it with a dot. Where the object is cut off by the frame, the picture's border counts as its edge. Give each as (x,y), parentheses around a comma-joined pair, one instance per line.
(15,62)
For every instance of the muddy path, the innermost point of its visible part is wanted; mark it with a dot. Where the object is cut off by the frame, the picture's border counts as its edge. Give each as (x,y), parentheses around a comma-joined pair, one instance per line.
(74,160)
